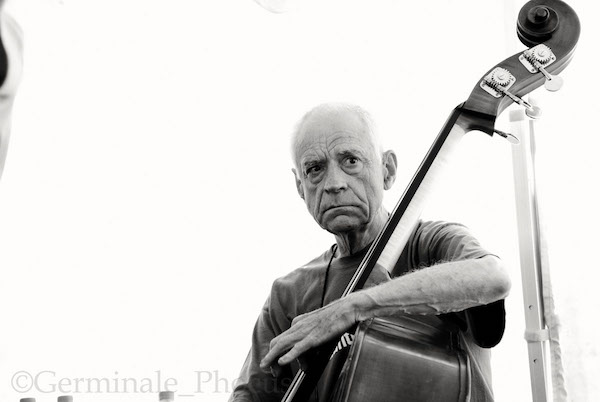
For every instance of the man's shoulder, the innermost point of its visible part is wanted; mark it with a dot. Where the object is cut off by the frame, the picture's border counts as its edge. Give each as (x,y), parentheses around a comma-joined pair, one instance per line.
(305,273)
(439,226)
(429,234)
(299,290)
(432,242)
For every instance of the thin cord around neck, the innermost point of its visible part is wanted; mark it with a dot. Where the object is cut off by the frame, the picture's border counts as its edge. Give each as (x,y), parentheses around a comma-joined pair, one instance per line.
(333,251)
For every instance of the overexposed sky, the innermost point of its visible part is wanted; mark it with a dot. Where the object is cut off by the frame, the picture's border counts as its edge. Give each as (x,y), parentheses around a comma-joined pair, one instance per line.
(147,201)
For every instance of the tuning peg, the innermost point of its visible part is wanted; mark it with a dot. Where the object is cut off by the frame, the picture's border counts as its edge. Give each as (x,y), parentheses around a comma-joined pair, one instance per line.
(497,83)
(553,82)
(536,60)
(509,137)
(534,112)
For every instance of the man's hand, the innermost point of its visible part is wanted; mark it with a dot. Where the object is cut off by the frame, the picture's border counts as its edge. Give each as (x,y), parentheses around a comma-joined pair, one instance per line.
(310,330)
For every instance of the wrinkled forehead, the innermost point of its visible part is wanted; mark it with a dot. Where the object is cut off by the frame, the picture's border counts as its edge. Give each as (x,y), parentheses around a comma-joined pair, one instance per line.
(325,130)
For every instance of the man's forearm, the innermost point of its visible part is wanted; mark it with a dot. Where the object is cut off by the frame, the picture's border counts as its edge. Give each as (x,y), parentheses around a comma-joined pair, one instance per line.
(442,288)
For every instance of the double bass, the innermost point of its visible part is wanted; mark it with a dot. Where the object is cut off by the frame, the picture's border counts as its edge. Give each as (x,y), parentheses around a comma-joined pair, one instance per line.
(412,358)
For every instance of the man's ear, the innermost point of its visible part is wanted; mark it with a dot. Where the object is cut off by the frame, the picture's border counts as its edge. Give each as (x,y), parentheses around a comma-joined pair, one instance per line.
(390,168)
(298,184)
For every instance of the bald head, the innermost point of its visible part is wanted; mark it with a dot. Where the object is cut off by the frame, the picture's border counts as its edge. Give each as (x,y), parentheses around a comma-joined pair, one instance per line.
(340,169)
(331,117)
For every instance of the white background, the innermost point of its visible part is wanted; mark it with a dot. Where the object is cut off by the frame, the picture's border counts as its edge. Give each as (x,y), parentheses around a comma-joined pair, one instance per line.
(147,201)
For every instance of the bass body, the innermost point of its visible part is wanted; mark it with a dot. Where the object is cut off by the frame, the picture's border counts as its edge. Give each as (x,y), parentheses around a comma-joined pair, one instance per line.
(406,359)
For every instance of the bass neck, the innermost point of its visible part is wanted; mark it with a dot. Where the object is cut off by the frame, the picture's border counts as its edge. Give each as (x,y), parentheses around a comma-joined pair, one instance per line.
(388,246)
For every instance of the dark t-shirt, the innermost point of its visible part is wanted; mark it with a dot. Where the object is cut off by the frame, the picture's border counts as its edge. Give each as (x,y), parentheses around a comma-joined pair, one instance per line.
(303,289)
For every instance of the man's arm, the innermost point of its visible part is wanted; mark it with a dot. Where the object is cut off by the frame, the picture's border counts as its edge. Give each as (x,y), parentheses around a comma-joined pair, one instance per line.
(442,288)
(254,383)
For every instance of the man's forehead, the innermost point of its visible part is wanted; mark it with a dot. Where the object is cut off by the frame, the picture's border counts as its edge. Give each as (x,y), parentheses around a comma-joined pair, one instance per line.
(316,147)
(334,139)
(338,142)
(337,128)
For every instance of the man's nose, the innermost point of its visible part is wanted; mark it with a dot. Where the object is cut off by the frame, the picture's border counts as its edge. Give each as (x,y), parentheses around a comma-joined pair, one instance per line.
(335,180)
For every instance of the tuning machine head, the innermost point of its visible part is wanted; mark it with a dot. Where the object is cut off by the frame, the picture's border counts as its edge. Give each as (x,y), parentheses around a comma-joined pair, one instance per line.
(536,60)
(498,82)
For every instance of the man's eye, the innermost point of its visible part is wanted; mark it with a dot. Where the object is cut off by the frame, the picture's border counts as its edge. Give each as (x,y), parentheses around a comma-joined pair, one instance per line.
(352,162)
(313,170)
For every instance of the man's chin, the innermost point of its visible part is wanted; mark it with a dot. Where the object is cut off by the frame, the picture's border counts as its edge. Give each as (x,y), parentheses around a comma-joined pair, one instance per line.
(343,224)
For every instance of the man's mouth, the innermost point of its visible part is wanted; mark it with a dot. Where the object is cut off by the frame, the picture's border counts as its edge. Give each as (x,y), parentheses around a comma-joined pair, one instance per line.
(339,207)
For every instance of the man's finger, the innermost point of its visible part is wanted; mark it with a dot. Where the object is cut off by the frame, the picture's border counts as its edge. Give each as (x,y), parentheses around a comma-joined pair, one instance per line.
(267,361)
(276,349)
(294,353)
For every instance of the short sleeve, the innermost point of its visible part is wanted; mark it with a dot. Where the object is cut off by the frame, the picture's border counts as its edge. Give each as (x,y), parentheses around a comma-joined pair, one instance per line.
(438,242)
(444,241)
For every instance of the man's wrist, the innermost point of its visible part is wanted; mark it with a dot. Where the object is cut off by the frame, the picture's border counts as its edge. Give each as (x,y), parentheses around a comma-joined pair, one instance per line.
(362,305)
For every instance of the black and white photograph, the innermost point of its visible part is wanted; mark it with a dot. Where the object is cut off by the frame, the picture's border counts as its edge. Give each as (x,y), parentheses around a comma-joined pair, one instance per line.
(299,201)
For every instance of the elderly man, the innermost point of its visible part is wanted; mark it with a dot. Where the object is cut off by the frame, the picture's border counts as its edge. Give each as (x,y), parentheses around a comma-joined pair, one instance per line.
(341,174)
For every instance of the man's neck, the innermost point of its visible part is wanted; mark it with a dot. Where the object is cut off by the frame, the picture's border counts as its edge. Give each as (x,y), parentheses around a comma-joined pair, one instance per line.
(351,242)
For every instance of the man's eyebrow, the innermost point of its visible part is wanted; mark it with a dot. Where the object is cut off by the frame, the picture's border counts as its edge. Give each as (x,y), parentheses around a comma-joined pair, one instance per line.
(309,160)
(352,152)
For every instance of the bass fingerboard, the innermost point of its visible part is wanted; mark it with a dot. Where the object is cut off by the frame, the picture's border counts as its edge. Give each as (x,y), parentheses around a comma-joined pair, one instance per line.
(387,248)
